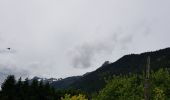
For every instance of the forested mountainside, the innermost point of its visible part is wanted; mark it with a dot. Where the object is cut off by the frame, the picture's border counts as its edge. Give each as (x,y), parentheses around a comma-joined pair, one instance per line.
(133,63)
(121,80)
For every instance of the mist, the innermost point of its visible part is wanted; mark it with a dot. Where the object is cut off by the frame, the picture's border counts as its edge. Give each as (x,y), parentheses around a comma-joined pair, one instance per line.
(65,38)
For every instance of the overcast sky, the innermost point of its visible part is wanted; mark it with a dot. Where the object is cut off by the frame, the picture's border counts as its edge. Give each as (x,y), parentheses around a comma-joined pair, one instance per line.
(60,38)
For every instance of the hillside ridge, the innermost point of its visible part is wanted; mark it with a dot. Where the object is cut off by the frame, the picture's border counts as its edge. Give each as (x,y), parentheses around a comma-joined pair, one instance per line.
(132,63)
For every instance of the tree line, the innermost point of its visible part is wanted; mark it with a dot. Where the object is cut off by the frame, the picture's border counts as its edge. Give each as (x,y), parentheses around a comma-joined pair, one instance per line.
(120,87)
(34,90)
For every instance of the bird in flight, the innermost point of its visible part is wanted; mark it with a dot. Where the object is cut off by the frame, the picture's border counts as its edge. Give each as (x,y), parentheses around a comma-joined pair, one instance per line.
(9,48)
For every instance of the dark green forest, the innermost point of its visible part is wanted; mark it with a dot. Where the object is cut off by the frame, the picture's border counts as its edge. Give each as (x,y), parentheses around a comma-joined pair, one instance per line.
(36,90)
(131,87)
(119,87)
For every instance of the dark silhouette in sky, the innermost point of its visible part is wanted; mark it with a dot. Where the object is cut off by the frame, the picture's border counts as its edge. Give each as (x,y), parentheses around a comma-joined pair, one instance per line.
(9,48)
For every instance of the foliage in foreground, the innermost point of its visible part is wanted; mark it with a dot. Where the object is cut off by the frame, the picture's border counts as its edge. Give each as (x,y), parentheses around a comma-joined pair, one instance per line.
(131,87)
(75,97)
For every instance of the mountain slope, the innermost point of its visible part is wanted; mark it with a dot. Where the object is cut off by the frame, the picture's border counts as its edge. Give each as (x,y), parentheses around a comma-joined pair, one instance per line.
(65,83)
(133,63)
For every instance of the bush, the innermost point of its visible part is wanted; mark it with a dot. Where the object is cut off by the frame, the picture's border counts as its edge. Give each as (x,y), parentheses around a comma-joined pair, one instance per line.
(131,87)
(75,97)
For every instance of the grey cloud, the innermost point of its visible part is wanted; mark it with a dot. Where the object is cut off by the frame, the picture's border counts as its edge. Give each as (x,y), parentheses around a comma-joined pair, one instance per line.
(43,31)
(6,51)
(144,27)
(11,68)
(125,41)
(83,55)
(5,71)
(14,71)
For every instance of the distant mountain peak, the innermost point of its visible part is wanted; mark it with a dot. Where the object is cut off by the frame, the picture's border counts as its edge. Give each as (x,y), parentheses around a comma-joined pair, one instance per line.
(106,63)
(132,63)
